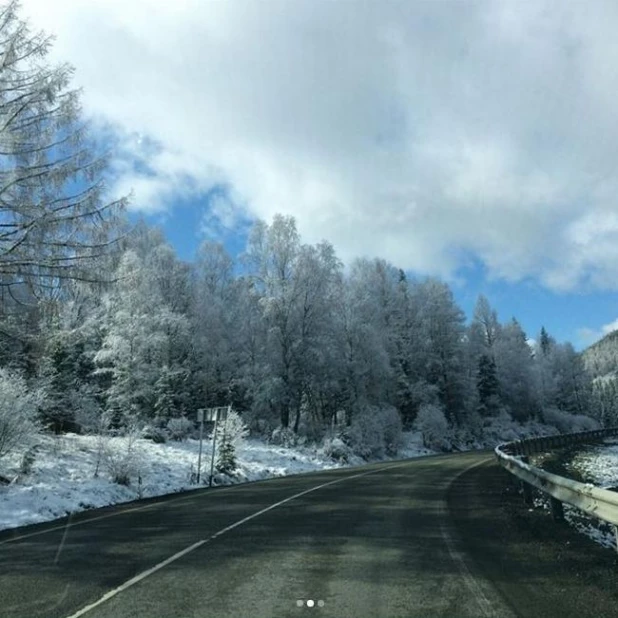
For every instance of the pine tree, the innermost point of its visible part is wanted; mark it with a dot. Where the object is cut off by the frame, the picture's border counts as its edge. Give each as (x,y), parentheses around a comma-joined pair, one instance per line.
(488,386)
(226,459)
(545,341)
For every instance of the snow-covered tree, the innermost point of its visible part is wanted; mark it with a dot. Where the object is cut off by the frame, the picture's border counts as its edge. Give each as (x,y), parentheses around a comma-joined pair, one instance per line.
(18,412)
(443,327)
(431,421)
(296,285)
(515,372)
(484,329)
(137,353)
(55,224)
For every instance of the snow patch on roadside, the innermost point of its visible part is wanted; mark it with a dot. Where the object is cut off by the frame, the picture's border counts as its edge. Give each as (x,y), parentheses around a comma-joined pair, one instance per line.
(599,531)
(63,479)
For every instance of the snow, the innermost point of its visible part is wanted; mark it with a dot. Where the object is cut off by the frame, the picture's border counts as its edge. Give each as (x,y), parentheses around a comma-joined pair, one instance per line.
(599,464)
(596,465)
(599,531)
(62,480)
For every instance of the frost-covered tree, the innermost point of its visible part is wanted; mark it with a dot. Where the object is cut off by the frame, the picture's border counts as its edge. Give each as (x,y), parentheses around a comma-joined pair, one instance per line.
(137,353)
(431,421)
(214,323)
(484,329)
(363,317)
(318,358)
(573,386)
(18,412)
(443,327)
(271,256)
(296,284)
(604,401)
(515,372)
(54,222)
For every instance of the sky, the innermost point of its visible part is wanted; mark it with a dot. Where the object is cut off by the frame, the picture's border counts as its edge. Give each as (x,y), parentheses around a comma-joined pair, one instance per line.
(475,141)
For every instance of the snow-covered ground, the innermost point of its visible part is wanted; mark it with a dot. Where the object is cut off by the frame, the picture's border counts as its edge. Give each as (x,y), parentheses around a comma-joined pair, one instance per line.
(599,464)
(596,464)
(65,477)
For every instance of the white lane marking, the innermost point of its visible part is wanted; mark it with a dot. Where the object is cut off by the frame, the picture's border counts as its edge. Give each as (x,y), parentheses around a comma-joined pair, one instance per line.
(485,606)
(138,578)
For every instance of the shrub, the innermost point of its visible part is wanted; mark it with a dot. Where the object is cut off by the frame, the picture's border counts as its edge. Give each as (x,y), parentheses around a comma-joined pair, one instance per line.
(28,459)
(364,435)
(336,449)
(283,436)
(155,434)
(18,412)
(122,458)
(566,422)
(392,427)
(374,432)
(180,429)
(432,422)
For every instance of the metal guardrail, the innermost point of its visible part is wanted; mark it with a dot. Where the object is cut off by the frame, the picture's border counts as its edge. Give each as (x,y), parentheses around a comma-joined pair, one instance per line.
(600,503)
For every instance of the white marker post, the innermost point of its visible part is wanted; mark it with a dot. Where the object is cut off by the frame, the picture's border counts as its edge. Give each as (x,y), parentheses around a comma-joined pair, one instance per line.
(200,420)
(216,415)
(213,415)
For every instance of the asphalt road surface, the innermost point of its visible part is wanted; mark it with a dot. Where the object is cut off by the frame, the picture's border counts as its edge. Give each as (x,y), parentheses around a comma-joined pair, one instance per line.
(424,537)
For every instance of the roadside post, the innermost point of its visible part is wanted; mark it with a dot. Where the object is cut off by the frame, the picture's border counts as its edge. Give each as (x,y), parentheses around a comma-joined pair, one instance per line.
(200,420)
(213,415)
(216,415)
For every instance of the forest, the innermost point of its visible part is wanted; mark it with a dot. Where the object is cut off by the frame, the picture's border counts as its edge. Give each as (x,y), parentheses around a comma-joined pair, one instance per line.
(103,327)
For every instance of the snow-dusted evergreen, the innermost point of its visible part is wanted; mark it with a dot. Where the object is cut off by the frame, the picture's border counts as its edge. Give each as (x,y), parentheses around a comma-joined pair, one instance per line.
(601,362)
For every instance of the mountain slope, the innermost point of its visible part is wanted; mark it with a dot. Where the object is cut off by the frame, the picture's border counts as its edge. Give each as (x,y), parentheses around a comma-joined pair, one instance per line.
(601,358)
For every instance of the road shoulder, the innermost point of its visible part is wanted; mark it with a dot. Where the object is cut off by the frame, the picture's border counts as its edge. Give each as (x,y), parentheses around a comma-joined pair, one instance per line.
(540,568)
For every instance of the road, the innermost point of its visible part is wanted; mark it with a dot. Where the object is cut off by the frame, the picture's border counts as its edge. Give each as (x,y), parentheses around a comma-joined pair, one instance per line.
(388,540)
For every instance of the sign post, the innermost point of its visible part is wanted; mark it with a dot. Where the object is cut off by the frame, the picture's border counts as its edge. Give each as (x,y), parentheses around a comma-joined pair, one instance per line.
(213,416)
(200,420)
(216,415)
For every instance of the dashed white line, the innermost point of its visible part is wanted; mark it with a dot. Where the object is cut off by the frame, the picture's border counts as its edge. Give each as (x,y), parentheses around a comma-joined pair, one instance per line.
(144,574)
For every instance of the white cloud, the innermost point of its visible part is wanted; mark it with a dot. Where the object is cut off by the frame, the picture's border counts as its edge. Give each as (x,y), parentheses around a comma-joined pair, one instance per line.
(420,132)
(588,336)
(609,328)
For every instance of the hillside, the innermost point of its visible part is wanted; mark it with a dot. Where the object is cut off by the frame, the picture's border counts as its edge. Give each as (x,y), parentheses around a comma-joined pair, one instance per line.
(601,358)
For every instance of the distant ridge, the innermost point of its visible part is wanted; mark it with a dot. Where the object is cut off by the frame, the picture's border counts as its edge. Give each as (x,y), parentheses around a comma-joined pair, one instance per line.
(601,358)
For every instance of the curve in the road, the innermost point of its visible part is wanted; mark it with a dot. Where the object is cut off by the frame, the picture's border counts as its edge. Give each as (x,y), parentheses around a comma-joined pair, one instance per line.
(384,540)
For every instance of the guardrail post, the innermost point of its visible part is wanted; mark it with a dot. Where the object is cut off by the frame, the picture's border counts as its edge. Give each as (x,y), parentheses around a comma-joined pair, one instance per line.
(525,487)
(557,511)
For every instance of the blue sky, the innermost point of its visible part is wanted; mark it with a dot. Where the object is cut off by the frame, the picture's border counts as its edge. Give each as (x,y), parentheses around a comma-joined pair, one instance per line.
(475,141)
